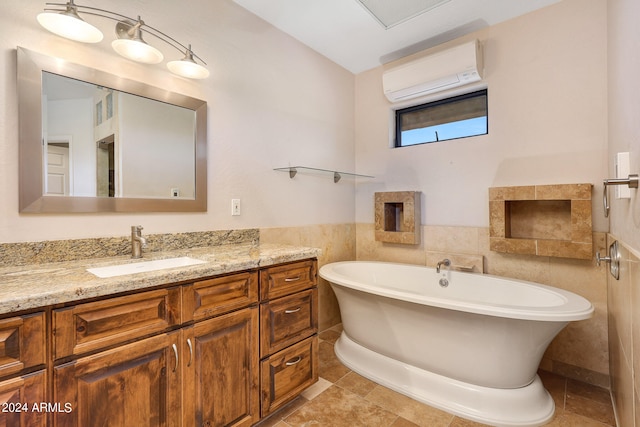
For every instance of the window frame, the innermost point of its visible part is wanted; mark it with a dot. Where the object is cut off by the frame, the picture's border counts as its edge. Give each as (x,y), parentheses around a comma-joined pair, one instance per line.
(397,141)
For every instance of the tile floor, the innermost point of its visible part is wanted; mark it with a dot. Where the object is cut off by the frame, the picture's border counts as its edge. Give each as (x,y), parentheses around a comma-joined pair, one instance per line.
(343,398)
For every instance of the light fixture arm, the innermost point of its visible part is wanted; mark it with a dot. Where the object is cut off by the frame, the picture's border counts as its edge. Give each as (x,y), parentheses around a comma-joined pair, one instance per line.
(139,23)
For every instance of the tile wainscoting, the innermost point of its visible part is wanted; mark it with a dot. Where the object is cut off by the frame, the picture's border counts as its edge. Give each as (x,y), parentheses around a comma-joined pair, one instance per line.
(337,242)
(624,336)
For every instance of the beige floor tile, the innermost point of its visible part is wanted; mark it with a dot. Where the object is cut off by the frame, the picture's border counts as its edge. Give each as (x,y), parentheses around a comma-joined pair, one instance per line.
(357,384)
(591,392)
(329,335)
(461,422)
(313,391)
(356,401)
(590,408)
(414,411)
(567,419)
(401,422)
(276,419)
(337,407)
(330,367)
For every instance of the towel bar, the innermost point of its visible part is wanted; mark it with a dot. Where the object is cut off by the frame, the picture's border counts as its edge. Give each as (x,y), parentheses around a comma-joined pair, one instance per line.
(631,181)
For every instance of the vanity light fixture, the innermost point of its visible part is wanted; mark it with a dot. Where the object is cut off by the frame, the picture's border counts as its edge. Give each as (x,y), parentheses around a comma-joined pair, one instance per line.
(63,19)
(67,23)
(187,67)
(131,45)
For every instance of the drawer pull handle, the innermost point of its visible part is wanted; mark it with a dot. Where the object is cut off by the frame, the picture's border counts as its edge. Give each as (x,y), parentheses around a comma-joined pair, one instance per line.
(295,310)
(175,353)
(293,361)
(292,279)
(190,351)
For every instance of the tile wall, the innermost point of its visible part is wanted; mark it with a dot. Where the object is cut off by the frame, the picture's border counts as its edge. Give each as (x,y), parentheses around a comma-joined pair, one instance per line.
(337,242)
(624,336)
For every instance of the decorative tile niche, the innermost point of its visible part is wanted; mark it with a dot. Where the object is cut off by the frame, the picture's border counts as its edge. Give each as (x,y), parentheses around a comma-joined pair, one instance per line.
(397,217)
(545,220)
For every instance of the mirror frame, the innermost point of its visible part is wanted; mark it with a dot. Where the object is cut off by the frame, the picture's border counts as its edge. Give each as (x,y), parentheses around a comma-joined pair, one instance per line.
(32,199)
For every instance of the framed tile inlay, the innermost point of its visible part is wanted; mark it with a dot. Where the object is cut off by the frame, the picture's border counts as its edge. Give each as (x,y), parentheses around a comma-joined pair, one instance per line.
(397,217)
(545,220)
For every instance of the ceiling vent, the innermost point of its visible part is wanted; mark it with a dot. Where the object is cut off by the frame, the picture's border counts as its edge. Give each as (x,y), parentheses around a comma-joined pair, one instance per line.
(391,13)
(440,71)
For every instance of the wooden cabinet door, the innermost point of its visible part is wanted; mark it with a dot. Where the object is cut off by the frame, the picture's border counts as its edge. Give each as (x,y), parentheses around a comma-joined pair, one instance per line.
(22,343)
(137,384)
(220,366)
(21,399)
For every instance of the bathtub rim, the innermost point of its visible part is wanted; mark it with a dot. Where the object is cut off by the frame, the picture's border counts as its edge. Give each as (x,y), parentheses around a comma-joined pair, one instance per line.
(574,308)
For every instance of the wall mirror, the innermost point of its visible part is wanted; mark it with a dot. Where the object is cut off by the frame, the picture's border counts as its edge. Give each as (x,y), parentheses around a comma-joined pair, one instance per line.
(91,141)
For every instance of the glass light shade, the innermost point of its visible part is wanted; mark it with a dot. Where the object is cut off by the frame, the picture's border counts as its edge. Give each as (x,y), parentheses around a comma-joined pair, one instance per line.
(70,25)
(138,51)
(188,68)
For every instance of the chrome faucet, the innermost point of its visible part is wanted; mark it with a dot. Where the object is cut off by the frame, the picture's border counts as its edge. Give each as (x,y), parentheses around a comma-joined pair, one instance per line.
(137,241)
(444,262)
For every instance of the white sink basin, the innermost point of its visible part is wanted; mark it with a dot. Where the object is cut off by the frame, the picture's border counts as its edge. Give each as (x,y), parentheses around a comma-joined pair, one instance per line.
(143,267)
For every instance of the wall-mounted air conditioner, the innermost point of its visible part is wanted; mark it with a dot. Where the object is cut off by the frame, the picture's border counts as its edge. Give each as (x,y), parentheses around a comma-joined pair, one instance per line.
(440,71)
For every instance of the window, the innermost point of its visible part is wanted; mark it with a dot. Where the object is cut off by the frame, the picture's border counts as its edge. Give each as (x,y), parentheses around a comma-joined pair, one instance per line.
(458,117)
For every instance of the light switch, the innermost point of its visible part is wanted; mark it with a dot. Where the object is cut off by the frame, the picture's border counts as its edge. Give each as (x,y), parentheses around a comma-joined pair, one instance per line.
(622,171)
(235,207)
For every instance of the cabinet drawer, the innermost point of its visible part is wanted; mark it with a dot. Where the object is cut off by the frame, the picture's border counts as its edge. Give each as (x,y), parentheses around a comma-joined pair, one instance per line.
(287,320)
(22,343)
(286,279)
(95,325)
(207,298)
(287,373)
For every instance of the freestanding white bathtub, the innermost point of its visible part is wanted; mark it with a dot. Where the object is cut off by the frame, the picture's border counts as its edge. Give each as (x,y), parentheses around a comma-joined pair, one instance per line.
(471,347)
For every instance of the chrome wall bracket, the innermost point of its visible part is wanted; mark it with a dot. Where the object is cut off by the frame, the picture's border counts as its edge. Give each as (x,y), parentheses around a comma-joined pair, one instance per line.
(631,181)
(613,259)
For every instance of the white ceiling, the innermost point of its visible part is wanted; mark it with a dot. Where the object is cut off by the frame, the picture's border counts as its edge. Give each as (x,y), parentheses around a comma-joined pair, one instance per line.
(349,34)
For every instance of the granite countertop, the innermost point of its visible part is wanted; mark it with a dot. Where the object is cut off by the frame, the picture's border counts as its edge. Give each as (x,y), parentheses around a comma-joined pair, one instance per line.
(39,285)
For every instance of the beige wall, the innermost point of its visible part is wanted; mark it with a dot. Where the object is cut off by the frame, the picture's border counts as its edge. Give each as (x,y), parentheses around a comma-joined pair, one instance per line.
(272,102)
(546,77)
(624,135)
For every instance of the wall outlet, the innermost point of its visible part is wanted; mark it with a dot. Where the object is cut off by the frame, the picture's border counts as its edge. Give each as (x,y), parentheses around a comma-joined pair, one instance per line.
(235,207)
(175,192)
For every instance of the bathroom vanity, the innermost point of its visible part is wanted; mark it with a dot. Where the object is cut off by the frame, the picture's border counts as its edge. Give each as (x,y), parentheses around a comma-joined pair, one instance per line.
(226,342)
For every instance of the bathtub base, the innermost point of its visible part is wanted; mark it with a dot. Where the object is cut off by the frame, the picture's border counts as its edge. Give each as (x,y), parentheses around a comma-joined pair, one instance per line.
(526,406)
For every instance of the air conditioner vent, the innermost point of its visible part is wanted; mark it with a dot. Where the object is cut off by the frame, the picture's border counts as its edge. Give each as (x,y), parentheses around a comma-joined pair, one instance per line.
(440,71)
